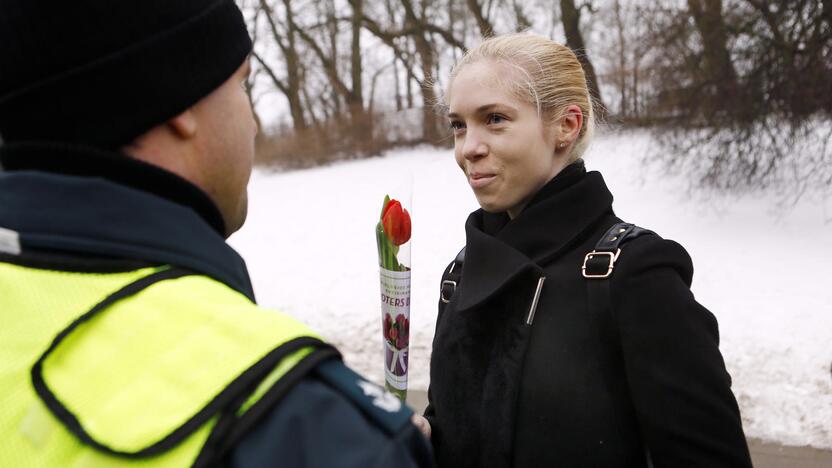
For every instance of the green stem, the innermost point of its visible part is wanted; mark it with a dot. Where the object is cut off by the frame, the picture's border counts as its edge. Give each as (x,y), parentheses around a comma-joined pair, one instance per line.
(400,394)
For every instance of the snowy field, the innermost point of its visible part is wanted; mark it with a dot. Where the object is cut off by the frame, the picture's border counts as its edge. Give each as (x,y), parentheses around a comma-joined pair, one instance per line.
(766,275)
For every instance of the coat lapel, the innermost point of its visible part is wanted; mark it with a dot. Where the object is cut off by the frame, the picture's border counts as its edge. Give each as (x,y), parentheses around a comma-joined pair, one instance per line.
(567,207)
(490,264)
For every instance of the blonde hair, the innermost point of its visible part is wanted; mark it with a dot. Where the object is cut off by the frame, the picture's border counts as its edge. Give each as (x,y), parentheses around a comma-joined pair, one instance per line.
(552,78)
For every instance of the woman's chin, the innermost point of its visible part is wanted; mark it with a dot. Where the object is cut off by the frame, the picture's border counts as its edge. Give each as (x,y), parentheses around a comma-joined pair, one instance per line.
(490,206)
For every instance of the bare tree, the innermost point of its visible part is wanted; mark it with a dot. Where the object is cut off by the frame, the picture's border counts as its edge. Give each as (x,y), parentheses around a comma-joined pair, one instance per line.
(827,12)
(427,57)
(571,18)
(622,59)
(707,14)
(485,26)
(417,28)
(745,96)
(522,22)
(328,58)
(353,92)
(720,78)
(283,34)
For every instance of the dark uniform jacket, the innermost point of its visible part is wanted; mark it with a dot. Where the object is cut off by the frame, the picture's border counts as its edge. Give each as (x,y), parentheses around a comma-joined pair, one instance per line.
(84,210)
(572,389)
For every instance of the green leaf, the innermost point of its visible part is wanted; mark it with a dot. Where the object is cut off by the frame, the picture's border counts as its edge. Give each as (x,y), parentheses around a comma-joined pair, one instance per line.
(391,257)
(383,205)
(380,239)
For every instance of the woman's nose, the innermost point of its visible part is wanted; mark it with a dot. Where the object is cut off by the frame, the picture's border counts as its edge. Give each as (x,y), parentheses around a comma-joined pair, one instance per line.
(474,147)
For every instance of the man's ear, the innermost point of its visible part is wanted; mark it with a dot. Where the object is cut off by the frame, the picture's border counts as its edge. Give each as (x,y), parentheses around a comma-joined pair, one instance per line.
(184,125)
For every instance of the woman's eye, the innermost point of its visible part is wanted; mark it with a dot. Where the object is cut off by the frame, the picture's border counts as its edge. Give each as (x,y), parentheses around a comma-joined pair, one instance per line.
(495,119)
(457,126)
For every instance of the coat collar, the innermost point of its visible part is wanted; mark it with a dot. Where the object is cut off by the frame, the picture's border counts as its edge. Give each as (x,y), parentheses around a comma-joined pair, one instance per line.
(499,250)
(96,215)
(76,160)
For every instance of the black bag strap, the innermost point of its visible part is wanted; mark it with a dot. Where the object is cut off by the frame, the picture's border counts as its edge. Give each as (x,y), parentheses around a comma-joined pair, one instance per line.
(600,263)
(232,426)
(450,280)
(598,266)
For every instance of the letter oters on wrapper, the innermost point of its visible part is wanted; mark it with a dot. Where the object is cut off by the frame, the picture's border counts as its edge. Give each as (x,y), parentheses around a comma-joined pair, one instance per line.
(393,238)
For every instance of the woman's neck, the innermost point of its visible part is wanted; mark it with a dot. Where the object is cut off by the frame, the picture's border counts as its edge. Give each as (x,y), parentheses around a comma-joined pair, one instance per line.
(561,179)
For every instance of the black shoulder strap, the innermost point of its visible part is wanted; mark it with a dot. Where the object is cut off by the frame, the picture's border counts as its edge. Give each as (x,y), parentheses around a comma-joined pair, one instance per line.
(232,426)
(451,278)
(597,268)
(600,263)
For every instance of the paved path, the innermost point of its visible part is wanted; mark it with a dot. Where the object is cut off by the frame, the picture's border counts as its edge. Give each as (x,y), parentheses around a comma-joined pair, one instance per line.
(768,455)
(763,454)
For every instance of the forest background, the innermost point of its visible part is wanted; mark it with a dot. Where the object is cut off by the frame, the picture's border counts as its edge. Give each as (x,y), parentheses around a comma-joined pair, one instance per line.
(736,93)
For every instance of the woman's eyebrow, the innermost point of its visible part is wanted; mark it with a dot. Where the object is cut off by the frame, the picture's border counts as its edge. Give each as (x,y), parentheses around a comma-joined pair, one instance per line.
(484,108)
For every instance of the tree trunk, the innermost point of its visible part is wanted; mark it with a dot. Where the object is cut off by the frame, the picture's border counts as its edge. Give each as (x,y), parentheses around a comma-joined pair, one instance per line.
(310,105)
(571,18)
(430,129)
(357,95)
(293,84)
(293,78)
(707,14)
(486,29)
(622,60)
(399,105)
(634,91)
(409,91)
(521,21)
(827,12)
(361,121)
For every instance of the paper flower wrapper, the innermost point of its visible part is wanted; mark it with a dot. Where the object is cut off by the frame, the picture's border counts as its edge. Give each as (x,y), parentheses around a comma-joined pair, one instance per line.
(393,237)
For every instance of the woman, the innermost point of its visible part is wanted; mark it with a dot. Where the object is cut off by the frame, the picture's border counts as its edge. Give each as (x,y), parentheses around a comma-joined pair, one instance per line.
(534,364)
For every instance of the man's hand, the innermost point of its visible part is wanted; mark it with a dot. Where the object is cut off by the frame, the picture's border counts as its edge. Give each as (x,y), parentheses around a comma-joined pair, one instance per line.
(422,424)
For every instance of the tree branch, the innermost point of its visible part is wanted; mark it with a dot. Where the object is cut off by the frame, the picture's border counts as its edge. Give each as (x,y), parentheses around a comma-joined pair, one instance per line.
(269,71)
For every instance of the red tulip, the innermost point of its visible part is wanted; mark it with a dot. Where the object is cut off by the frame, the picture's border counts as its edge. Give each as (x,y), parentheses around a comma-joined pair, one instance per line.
(396,222)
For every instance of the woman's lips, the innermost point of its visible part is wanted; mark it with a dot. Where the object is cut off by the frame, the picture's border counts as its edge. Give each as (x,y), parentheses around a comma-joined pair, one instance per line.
(480,179)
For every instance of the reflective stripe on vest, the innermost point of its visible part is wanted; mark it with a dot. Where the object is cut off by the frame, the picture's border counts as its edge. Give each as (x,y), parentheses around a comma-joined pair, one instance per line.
(132,374)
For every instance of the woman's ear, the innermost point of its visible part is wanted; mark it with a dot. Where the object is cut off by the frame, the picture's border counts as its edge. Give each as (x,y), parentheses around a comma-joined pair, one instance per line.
(184,125)
(569,126)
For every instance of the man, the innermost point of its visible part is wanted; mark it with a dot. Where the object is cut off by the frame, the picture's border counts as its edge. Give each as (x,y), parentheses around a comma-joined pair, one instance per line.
(129,330)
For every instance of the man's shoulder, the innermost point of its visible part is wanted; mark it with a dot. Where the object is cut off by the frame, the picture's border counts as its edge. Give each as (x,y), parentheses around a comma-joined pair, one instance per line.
(380,407)
(334,418)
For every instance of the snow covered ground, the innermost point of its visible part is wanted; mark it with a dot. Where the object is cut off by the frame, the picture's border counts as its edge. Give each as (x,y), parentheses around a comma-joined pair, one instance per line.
(767,276)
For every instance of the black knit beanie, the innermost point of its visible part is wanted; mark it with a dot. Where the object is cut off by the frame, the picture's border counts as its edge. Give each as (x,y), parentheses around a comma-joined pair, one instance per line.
(102,72)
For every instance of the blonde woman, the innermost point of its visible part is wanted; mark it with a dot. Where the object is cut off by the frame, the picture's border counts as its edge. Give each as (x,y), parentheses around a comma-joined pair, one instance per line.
(564,337)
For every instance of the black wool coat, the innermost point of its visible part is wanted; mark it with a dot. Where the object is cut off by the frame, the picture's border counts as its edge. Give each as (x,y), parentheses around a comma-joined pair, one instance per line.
(573,389)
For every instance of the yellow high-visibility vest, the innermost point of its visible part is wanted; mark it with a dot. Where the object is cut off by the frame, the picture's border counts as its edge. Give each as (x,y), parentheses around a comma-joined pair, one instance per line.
(131,368)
